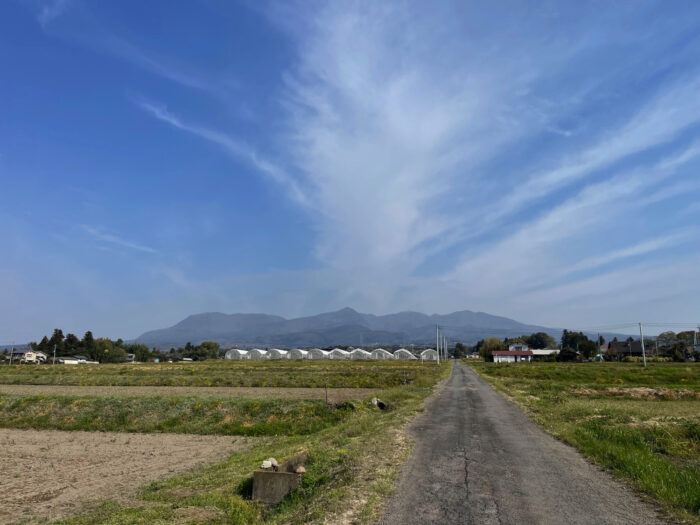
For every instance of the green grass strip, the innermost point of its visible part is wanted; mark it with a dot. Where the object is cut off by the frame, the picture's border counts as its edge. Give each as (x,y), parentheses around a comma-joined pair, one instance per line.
(189,415)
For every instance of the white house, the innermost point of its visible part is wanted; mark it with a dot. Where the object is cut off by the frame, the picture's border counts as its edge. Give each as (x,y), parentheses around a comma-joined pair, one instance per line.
(429,354)
(257,353)
(402,353)
(276,353)
(28,356)
(236,354)
(338,353)
(317,353)
(380,353)
(298,353)
(518,347)
(359,353)
(512,356)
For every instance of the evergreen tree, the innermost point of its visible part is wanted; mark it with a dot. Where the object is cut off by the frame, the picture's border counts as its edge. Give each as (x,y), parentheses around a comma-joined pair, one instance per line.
(57,341)
(89,346)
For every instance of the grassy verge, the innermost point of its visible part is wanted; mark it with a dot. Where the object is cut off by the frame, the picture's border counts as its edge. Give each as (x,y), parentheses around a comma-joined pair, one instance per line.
(189,415)
(642,424)
(279,373)
(351,469)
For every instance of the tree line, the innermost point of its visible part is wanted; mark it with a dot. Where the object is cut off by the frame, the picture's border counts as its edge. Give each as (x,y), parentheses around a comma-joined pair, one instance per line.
(575,346)
(105,350)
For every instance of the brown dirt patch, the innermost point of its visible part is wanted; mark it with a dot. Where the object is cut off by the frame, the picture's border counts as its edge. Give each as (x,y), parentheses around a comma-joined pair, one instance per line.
(335,395)
(48,474)
(638,393)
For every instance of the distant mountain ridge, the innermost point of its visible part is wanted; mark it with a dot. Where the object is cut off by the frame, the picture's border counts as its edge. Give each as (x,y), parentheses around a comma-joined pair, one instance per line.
(342,327)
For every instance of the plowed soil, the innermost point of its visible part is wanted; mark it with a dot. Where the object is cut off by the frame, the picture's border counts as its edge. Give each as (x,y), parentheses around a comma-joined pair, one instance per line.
(52,474)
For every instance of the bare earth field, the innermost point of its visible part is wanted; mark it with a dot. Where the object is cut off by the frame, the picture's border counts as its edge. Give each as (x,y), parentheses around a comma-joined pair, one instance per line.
(45,475)
(335,395)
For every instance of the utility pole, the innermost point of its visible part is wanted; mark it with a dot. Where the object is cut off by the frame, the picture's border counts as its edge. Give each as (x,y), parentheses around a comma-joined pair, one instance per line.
(437,342)
(599,349)
(641,339)
(54,354)
(12,352)
(444,347)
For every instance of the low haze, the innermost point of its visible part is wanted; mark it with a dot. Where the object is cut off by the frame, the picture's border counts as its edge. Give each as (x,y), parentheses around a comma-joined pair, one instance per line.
(159,159)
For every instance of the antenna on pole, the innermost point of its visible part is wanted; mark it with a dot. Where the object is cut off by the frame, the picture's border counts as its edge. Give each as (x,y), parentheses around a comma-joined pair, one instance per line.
(641,339)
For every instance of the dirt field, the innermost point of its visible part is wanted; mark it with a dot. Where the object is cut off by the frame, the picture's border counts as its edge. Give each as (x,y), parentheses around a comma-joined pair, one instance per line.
(51,474)
(335,395)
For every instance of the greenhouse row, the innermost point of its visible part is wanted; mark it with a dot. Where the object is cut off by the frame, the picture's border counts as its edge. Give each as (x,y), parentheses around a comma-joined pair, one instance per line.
(336,353)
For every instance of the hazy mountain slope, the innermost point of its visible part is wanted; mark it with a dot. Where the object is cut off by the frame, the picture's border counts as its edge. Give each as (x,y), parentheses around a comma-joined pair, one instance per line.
(343,327)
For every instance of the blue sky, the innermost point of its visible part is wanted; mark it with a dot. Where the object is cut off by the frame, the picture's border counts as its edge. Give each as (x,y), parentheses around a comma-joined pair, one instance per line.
(159,159)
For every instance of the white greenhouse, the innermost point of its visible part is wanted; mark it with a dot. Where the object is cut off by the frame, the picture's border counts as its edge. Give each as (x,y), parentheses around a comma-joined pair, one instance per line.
(298,353)
(338,353)
(317,353)
(256,353)
(276,353)
(359,353)
(429,355)
(402,353)
(236,353)
(380,353)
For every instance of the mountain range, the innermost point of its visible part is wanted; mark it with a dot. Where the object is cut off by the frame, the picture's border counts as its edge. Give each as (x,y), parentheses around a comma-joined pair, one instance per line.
(343,327)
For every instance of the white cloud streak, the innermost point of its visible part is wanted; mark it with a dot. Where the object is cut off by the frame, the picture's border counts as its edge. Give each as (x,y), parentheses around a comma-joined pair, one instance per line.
(118,241)
(532,255)
(237,149)
(52,10)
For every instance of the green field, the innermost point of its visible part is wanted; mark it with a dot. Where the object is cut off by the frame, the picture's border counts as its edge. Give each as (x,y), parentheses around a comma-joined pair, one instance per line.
(643,424)
(277,373)
(355,451)
(187,415)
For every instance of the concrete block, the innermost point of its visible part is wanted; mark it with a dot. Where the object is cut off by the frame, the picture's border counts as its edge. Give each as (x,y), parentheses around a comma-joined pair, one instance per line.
(271,487)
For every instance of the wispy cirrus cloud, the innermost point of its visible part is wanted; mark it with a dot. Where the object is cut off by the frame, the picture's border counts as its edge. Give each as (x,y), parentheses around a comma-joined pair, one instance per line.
(116,240)
(51,10)
(236,148)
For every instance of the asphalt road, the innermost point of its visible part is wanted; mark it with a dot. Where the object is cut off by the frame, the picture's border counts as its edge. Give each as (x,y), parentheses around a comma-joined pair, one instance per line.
(478,459)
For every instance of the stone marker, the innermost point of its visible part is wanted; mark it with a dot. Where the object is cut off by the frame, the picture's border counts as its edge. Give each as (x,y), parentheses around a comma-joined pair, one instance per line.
(272,484)
(271,487)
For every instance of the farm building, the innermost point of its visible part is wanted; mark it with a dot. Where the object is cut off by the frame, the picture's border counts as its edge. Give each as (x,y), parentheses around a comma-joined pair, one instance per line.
(338,353)
(298,353)
(512,356)
(380,353)
(72,360)
(256,353)
(236,353)
(429,355)
(276,353)
(402,353)
(359,353)
(545,352)
(317,353)
(27,356)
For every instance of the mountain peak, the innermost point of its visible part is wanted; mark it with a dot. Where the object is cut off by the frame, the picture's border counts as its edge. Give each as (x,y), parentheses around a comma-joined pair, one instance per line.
(346,326)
